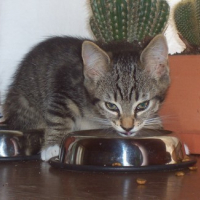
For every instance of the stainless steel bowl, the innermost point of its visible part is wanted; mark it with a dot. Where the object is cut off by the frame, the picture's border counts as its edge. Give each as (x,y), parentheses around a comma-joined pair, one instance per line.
(18,145)
(105,150)
(10,143)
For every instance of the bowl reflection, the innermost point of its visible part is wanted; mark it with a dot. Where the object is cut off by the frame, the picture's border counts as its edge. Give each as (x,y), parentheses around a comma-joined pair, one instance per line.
(16,145)
(10,143)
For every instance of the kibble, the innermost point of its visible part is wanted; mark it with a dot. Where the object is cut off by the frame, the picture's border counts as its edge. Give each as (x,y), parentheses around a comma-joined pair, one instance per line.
(193,168)
(180,173)
(186,159)
(141,181)
(117,164)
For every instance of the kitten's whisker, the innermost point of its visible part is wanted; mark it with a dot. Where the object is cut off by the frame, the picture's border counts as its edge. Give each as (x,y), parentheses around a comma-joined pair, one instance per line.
(169,119)
(153,123)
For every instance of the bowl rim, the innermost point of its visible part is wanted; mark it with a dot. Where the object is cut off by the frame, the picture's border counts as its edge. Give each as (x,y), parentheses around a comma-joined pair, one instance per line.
(54,162)
(10,132)
(113,134)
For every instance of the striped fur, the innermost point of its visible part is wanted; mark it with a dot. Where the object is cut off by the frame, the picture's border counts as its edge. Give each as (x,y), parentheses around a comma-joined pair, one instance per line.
(64,83)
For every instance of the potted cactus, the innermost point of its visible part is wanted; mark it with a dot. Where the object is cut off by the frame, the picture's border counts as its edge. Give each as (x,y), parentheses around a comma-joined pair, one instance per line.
(182,105)
(132,21)
(187,21)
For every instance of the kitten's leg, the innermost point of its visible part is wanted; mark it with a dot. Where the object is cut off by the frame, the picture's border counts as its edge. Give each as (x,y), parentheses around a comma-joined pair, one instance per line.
(54,134)
(60,121)
(53,138)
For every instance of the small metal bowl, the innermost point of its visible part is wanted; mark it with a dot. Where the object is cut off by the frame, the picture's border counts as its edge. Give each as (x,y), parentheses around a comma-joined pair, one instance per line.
(103,150)
(20,145)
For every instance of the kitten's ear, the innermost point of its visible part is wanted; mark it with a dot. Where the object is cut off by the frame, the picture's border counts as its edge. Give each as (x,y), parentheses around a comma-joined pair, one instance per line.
(155,57)
(95,60)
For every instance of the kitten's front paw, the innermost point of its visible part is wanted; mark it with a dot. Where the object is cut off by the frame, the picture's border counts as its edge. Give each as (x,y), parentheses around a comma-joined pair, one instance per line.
(49,152)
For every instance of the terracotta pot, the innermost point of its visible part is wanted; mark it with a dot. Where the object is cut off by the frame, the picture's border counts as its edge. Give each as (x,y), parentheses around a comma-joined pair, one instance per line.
(181,110)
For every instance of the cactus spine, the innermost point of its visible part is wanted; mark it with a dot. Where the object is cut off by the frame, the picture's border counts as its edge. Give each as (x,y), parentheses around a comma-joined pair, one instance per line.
(187,20)
(129,20)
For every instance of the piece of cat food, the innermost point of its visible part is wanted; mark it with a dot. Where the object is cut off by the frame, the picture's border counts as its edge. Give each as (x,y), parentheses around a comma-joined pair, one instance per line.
(186,159)
(116,164)
(180,173)
(141,181)
(193,168)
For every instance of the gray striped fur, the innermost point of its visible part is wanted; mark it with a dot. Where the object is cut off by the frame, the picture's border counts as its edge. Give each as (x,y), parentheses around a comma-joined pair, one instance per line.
(62,85)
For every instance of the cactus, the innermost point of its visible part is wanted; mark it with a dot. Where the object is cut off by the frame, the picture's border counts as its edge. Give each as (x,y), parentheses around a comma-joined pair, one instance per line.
(187,21)
(129,20)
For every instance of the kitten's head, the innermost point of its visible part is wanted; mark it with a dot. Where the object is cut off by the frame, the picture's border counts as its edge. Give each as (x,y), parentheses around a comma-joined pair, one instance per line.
(127,88)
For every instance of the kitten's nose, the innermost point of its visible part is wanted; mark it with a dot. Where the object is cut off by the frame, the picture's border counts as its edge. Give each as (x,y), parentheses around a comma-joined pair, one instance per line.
(127,123)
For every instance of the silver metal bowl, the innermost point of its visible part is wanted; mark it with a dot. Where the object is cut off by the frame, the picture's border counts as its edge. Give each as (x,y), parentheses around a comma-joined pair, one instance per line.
(101,150)
(20,145)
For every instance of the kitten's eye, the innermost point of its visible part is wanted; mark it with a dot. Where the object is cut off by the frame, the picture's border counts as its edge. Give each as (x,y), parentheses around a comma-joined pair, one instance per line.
(142,106)
(111,106)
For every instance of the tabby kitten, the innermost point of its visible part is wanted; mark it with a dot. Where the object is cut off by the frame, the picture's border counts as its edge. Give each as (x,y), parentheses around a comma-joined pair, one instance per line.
(66,84)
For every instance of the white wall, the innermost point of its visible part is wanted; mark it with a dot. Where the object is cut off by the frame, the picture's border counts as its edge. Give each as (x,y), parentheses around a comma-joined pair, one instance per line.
(23,23)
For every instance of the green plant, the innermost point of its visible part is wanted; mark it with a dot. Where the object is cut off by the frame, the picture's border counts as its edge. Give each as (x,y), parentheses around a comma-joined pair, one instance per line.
(129,20)
(187,21)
